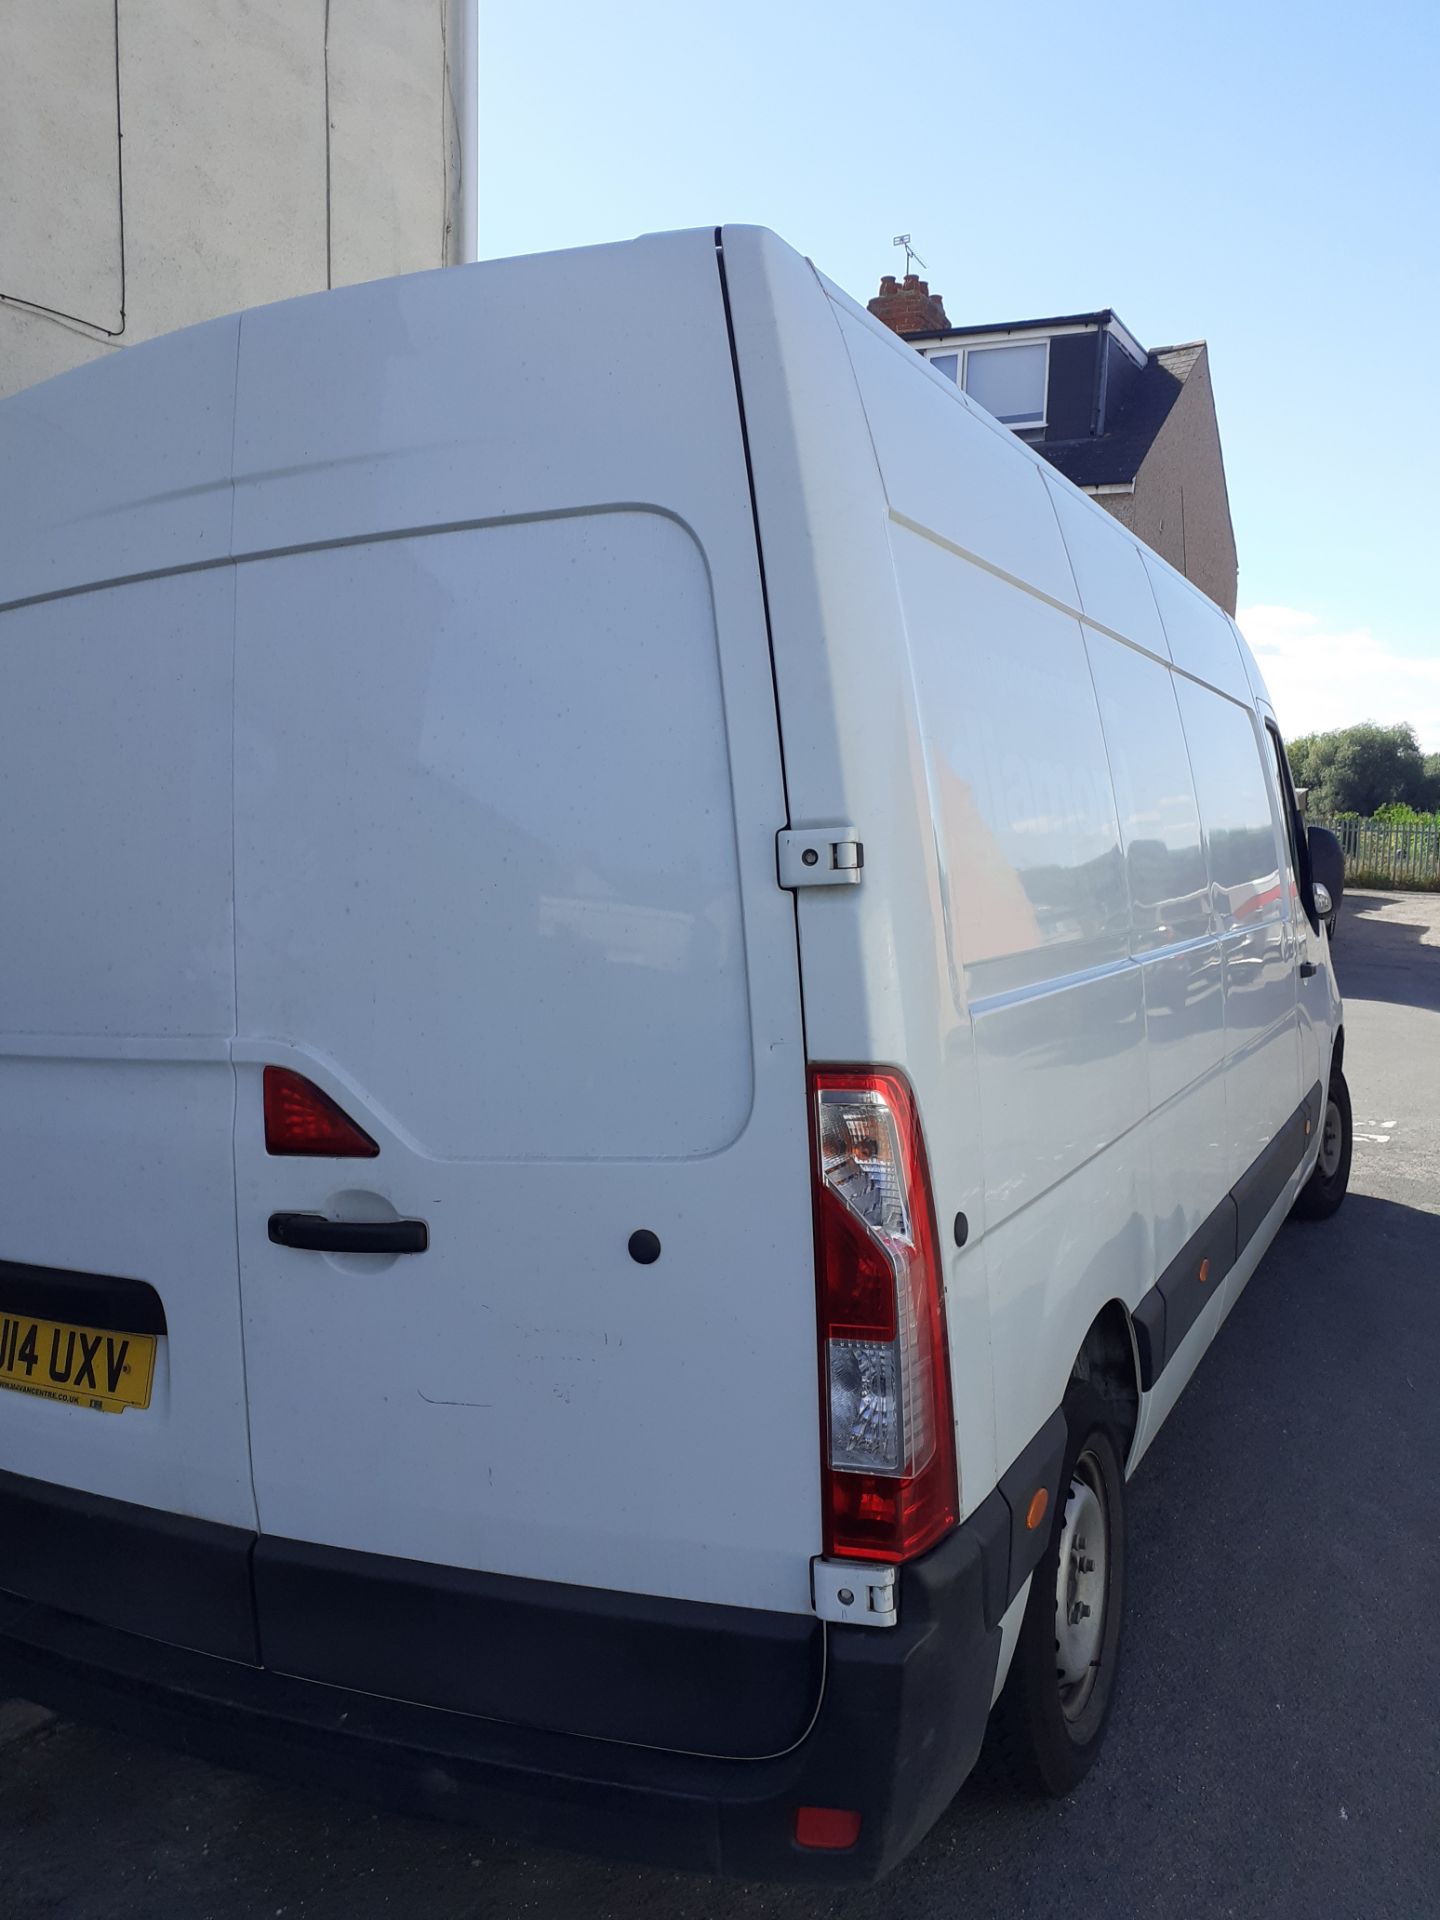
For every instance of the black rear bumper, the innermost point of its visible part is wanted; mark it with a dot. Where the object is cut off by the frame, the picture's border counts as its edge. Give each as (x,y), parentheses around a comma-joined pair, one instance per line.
(901,1715)
(618,1724)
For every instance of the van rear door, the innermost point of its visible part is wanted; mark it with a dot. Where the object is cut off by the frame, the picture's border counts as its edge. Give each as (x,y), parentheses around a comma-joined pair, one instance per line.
(507,790)
(120,1339)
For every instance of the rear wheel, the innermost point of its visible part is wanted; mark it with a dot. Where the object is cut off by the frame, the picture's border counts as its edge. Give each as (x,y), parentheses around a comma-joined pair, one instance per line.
(1327,1186)
(1051,1718)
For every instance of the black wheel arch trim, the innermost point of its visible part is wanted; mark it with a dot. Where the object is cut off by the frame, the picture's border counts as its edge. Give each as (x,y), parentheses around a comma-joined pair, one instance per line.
(1010,1548)
(1172,1306)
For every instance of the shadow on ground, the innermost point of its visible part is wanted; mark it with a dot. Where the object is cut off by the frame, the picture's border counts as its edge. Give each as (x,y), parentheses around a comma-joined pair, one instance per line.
(1381,951)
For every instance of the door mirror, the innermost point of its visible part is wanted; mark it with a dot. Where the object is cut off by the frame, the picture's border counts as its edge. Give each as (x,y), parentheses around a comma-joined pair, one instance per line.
(1324,905)
(1327,869)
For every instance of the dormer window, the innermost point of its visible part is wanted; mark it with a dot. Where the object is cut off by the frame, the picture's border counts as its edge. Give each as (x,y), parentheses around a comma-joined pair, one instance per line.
(1008,381)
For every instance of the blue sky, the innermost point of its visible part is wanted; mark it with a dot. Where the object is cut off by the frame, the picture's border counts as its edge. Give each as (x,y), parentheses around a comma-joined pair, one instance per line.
(1264,175)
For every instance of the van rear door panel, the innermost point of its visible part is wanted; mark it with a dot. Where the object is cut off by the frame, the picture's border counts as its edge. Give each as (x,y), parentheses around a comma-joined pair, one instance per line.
(116,1009)
(506,892)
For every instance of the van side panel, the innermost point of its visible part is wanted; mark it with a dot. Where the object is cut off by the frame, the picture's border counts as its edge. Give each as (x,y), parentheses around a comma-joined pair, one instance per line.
(1123,979)
(1252,909)
(1066,1214)
(1202,640)
(1030,849)
(1253,675)
(1037,904)
(1110,574)
(1173,937)
(878,981)
(947,469)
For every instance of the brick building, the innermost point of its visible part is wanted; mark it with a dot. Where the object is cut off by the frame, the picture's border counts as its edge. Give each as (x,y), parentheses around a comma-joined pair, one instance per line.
(1135,428)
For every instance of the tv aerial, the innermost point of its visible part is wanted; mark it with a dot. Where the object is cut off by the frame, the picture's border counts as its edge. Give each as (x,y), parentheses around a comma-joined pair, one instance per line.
(912,259)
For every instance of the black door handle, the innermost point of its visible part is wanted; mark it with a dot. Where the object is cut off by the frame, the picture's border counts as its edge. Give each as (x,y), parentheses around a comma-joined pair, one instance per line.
(1308,969)
(313,1233)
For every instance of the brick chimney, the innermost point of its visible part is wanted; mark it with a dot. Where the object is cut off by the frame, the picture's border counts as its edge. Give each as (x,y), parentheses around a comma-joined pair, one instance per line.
(908,305)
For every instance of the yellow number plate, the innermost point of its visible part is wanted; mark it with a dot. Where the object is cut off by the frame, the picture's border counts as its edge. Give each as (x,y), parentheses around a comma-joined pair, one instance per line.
(82,1366)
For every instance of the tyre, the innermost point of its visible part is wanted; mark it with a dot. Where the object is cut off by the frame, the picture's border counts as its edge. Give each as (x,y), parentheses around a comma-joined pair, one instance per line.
(1050,1719)
(1327,1186)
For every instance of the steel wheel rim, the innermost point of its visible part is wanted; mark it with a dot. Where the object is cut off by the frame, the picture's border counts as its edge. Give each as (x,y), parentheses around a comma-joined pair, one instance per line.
(1081,1586)
(1331,1139)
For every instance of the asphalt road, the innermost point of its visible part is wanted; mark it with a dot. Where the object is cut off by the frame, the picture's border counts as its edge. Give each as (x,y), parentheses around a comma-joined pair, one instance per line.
(1275,1747)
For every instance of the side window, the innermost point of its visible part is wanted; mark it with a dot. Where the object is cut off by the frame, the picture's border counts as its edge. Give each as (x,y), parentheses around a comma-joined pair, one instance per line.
(1297,847)
(1235,809)
(1154,795)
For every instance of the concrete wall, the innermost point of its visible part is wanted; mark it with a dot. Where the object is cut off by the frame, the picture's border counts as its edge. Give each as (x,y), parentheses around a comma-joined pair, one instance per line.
(1180,505)
(271,147)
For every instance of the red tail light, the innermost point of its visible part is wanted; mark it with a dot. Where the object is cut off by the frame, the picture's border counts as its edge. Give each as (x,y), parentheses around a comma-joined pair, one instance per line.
(829,1828)
(299,1118)
(890,1437)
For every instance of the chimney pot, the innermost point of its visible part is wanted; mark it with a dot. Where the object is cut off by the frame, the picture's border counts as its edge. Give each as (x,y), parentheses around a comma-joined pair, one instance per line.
(909,307)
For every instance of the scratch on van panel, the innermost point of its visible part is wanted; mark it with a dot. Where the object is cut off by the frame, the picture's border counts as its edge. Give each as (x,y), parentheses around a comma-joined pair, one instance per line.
(483,1405)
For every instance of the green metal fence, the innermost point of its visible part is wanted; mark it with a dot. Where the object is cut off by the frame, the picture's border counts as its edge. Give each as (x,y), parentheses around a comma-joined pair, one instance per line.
(1379,853)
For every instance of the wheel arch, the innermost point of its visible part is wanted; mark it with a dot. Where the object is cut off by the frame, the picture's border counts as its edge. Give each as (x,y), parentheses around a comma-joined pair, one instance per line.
(1109,1361)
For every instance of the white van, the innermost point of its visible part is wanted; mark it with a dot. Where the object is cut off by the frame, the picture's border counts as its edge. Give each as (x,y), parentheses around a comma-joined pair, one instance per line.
(654,993)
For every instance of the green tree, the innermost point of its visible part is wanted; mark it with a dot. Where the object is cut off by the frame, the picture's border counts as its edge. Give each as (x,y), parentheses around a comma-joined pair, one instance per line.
(1357,769)
(1399,813)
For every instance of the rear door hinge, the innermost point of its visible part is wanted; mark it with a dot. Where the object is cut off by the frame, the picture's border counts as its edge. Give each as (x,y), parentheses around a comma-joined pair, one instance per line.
(855,1593)
(819,856)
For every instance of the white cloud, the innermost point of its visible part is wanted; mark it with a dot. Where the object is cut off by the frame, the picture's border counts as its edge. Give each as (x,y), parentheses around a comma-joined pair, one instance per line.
(1320,678)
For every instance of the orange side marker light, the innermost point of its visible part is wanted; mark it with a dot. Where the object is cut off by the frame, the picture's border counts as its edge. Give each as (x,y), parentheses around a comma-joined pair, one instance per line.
(1038,1508)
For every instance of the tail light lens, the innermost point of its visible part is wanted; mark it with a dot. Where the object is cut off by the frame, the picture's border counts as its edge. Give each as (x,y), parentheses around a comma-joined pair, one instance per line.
(300,1119)
(890,1438)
